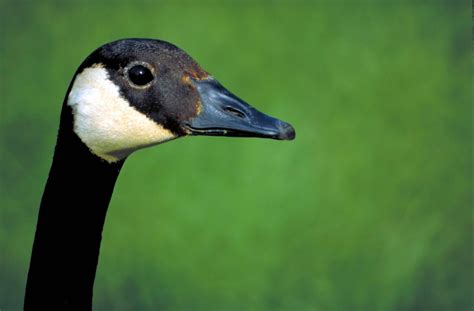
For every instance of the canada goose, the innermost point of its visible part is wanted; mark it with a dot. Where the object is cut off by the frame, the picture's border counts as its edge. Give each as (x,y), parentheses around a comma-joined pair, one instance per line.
(128,94)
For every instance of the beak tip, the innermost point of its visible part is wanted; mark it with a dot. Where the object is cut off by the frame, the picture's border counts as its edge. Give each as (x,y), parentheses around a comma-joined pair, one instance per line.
(287,132)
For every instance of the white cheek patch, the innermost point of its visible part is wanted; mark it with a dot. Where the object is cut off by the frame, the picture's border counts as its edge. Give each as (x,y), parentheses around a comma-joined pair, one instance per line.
(105,122)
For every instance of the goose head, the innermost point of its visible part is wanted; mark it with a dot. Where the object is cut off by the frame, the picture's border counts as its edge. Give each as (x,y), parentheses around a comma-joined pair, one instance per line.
(135,93)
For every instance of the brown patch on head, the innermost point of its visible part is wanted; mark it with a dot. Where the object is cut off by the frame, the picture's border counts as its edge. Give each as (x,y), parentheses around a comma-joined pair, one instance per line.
(189,66)
(198,107)
(197,73)
(186,79)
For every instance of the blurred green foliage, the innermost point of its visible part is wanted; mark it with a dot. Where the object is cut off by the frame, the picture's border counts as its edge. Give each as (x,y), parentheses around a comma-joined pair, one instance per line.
(370,208)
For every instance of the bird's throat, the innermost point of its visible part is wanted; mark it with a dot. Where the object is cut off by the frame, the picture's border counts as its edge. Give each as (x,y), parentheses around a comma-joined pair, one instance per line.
(70,221)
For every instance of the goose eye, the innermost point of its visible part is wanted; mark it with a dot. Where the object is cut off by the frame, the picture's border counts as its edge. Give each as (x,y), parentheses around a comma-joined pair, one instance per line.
(140,75)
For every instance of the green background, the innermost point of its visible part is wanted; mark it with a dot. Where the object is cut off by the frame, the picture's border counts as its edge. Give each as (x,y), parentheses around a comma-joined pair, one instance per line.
(370,208)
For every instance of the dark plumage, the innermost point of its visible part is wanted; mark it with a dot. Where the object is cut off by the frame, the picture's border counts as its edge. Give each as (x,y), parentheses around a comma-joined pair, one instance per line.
(126,95)
(172,98)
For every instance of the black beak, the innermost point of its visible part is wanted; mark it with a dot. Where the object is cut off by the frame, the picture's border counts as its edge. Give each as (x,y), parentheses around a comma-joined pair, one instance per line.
(224,114)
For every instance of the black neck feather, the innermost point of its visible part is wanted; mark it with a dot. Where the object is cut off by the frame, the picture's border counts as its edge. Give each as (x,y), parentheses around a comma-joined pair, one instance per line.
(70,222)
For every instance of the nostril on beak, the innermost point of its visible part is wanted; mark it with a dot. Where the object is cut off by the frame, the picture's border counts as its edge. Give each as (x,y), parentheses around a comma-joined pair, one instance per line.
(235,112)
(287,132)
